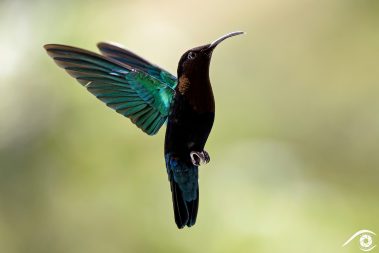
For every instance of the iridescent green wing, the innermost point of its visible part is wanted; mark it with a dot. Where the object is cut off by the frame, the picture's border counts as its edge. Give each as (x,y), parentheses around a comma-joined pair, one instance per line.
(133,93)
(123,55)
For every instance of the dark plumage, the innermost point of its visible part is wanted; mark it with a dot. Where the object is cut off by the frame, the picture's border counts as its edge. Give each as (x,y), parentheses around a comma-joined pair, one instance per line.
(149,96)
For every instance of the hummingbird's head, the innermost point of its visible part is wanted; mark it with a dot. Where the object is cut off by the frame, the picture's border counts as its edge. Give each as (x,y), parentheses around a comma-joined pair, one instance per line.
(196,60)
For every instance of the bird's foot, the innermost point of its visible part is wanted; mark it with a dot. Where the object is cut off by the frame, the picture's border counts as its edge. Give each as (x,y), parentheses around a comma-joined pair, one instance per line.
(199,158)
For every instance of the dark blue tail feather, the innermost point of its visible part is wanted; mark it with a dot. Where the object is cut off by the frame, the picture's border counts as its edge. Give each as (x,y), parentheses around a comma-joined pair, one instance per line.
(185,190)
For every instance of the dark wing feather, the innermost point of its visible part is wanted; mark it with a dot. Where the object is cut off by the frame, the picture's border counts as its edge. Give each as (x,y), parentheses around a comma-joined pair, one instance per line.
(131,92)
(123,55)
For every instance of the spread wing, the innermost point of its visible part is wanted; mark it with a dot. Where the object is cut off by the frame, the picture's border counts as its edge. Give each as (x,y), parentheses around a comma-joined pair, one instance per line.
(132,92)
(123,55)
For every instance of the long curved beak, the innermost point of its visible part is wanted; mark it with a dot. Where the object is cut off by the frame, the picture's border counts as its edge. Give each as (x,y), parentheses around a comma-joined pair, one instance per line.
(222,38)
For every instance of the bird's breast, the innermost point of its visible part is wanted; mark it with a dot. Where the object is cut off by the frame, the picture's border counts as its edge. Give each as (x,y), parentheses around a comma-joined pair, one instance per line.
(197,92)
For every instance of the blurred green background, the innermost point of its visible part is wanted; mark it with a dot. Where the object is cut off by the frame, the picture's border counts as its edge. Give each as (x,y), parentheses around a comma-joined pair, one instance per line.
(294,149)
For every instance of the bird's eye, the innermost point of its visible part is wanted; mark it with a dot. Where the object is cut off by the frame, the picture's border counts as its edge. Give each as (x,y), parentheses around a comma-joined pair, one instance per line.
(191,55)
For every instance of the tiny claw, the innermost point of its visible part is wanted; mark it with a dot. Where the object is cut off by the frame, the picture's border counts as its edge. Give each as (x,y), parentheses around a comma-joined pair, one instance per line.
(195,158)
(199,158)
(207,157)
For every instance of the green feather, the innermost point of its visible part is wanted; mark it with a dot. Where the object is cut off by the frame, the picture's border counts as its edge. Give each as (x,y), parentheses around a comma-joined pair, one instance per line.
(144,98)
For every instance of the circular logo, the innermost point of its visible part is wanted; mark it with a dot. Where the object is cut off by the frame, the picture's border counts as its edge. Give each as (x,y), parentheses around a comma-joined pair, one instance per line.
(365,241)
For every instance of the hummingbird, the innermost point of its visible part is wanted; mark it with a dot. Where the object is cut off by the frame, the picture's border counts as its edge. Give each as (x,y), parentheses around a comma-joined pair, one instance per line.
(150,96)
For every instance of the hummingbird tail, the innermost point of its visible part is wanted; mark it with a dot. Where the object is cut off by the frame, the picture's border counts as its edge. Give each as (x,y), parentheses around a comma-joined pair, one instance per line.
(183,176)
(185,211)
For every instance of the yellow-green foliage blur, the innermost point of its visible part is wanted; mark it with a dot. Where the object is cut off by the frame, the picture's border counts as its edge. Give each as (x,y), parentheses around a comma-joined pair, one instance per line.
(294,149)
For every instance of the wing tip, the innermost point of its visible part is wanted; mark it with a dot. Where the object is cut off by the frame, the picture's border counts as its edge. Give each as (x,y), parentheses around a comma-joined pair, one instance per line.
(54,50)
(52,46)
(103,44)
(49,45)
